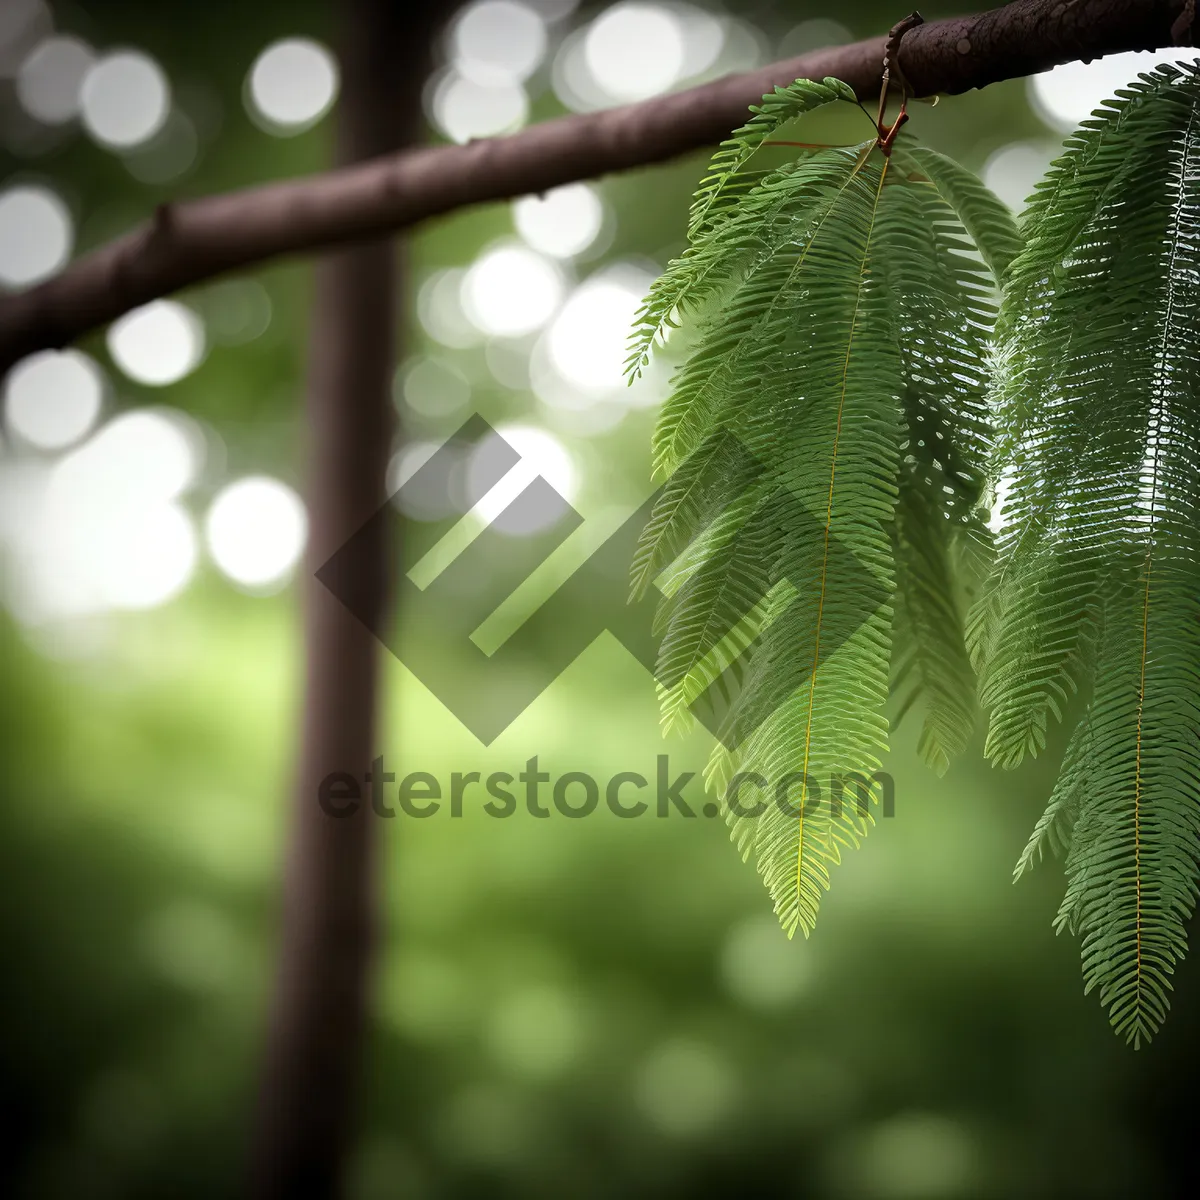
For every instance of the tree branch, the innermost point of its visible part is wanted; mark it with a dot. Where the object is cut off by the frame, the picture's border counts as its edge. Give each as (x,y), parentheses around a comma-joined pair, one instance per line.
(196,240)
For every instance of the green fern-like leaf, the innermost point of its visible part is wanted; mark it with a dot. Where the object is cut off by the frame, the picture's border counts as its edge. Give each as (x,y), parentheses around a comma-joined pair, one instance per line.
(1097,585)
(942,298)
(840,312)
(714,198)
(758,206)
(984,216)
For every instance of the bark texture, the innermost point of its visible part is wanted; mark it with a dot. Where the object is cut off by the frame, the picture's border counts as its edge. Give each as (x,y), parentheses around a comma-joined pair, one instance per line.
(306,1111)
(191,242)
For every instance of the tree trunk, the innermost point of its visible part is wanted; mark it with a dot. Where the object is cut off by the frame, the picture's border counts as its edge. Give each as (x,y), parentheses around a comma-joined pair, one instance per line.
(306,1109)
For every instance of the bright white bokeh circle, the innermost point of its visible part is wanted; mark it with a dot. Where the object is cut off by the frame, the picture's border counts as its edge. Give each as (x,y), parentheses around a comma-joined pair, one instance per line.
(634,51)
(150,558)
(464,109)
(103,527)
(157,344)
(564,222)
(498,41)
(36,234)
(84,556)
(510,291)
(125,99)
(588,340)
(256,530)
(53,398)
(292,85)
(139,459)
(1068,94)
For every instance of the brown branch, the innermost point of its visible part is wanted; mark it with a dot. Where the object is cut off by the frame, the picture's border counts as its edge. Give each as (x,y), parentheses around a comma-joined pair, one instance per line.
(202,238)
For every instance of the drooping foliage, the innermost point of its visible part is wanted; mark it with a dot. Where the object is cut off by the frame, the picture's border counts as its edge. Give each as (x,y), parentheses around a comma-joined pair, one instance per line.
(1096,589)
(825,449)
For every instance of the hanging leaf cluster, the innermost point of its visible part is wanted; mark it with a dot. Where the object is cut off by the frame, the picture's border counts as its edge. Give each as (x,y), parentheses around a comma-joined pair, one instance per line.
(841,307)
(850,406)
(1096,590)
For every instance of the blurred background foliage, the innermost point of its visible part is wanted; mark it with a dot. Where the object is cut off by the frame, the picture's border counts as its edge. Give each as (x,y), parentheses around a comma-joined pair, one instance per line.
(585,1008)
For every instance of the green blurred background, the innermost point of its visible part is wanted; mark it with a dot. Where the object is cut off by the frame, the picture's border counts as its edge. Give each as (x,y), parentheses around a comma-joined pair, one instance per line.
(561,1008)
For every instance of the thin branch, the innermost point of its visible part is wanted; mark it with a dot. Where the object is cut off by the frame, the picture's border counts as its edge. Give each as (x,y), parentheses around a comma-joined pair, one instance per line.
(196,240)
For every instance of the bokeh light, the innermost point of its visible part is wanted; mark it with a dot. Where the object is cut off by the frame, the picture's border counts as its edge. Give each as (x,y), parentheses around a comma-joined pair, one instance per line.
(704,38)
(498,41)
(588,340)
(53,398)
(487,1126)
(541,454)
(745,47)
(36,234)
(577,369)
(103,527)
(150,559)
(50,81)
(760,967)
(685,1088)
(236,311)
(192,945)
(635,50)
(510,291)
(440,310)
(813,34)
(433,387)
(416,502)
(535,1032)
(1013,171)
(125,99)
(292,85)
(464,109)
(508,362)
(910,1156)
(564,222)
(143,457)
(425,996)
(1068,94)
(168,155)
(157,344)
(256,530)
(632,51)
